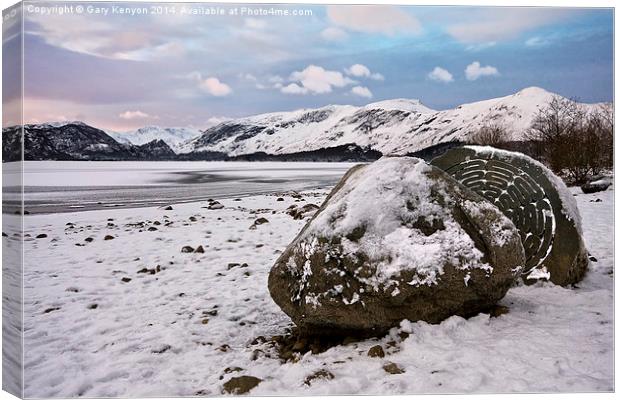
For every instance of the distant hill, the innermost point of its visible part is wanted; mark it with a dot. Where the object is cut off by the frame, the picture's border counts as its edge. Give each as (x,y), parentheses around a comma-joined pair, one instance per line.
(330,133)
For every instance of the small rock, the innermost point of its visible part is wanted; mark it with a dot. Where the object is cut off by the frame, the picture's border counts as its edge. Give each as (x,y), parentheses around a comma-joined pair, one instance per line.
(229,370)
(320,374)
(241,385)
(108,237)
(596,186)
(152,229)
(41,236)
(162,349)
(592,258)
(167,208)
(92,306)
(261,221)
(215,206)
(49,310)
(199,249)
(89,239)
(205,321)
(392,368)
(376,351)
(279,199)
(126,279)
(187,249)
(151,271)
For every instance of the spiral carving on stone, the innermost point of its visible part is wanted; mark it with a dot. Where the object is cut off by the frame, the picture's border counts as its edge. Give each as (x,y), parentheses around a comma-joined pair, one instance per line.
(519,197)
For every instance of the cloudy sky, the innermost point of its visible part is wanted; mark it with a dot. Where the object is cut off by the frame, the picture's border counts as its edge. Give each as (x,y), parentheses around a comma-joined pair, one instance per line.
(121,71)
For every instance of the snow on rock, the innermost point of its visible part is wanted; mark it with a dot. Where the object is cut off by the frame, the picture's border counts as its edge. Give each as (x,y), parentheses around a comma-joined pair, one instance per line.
(391,231)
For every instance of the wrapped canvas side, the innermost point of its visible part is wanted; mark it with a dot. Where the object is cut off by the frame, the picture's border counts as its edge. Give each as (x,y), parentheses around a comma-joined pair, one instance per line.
(12,201)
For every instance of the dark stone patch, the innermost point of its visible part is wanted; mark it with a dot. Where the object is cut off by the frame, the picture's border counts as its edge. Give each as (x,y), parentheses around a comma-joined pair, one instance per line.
(392,368)
(240,385)
(376,351)
(321,374)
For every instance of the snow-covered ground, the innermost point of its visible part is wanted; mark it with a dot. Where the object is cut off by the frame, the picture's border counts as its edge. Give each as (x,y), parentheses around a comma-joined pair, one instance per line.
(95,326)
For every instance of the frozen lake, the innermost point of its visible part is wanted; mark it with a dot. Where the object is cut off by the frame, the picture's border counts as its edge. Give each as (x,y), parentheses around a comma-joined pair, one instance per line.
(69,186)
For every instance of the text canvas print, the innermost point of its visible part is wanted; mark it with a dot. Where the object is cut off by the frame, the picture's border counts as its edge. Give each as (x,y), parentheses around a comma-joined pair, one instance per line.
(219,199)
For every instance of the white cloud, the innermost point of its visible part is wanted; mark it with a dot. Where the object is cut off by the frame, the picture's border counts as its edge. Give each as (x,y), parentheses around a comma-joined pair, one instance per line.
(215,87)
(211,85)
(494,24)
(333,34)
(362,71)
(275,79)
(480,46)
(293,88)
(387,20)
(475,71)
(361,91)
(377,76)
(537,41)
(441,75)
(137,114)
(318,80)
(358,70)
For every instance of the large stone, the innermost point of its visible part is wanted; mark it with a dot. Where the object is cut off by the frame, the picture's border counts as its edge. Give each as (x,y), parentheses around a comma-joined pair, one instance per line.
(536,200)
(598,185)
(396,239)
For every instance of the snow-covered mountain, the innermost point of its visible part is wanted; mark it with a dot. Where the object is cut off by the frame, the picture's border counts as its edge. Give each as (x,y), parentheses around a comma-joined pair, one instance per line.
(334,132)
(173,137)
(75,140)
(392,127)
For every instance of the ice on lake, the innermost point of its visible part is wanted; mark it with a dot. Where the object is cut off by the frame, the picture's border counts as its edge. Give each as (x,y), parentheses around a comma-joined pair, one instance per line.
(64,186)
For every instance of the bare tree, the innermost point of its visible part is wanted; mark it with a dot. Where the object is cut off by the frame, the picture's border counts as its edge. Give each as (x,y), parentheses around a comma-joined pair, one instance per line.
(572,140)
(493,134)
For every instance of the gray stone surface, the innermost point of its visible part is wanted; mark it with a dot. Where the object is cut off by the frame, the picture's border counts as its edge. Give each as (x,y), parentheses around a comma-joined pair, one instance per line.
(327,288)
(535,200)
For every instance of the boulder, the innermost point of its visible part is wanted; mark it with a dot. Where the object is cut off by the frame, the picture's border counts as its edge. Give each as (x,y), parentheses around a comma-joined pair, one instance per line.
(599,185)
(537,201)
(396,239)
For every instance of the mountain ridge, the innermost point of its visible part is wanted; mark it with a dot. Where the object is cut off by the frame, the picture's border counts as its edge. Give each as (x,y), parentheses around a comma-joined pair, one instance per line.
(396,126)
(386,126)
